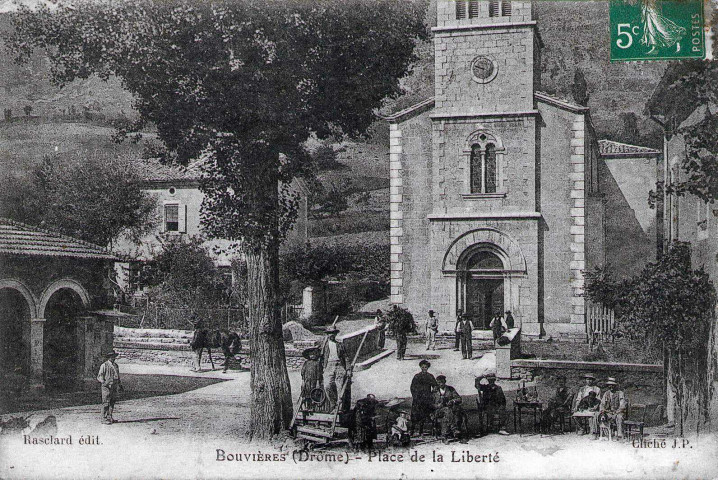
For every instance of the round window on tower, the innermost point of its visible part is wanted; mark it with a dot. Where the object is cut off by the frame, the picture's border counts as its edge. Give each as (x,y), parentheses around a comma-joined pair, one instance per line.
(484,69)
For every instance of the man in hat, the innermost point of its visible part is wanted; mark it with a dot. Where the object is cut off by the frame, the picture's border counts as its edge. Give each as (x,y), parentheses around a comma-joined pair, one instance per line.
(497,326)
(466,327)
(509,320)
(198,342)
(422,394)
(312,374)
(109,378)
(613,404)
(334,366)
(589,386)
(447,409)
(381,325)
(457,329)
(493,400)
(432,327)
(557,405)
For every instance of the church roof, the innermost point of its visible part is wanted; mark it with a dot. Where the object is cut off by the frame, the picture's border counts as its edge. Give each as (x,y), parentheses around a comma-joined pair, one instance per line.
(560,102)
(609,148)
(20,239)
(428,104)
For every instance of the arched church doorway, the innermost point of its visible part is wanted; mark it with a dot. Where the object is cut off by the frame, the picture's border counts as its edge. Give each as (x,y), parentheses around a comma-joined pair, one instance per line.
(480,283)
(14,333)
(61,342)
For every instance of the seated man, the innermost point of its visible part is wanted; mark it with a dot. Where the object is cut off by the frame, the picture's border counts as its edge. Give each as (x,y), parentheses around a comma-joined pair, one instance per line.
(613,405)
(447,409)
(559,404)
(589,404)
(492,400)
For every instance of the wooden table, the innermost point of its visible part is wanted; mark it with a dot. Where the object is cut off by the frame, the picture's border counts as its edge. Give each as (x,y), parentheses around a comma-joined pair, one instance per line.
(535,407)
(585,414)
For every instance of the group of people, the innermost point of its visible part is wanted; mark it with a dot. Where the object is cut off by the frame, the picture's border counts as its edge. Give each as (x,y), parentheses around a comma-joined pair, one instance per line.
(440,405)
(589,406)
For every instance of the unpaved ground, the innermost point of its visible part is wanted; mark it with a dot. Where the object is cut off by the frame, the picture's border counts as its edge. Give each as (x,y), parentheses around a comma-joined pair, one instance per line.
(186,435)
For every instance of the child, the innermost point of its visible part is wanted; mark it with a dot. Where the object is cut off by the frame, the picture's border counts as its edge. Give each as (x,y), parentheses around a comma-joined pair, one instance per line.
(400,430)
(312,374)
(109,378)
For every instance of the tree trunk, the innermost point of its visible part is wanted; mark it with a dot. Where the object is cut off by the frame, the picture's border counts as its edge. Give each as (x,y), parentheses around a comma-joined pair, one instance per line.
(271,406)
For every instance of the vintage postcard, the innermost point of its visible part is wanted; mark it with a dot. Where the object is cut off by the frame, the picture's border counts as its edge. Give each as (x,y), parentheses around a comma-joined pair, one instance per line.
(361,239)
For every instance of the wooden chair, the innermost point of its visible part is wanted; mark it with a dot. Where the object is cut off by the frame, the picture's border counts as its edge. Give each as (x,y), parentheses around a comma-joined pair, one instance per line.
(561,418)
(635,421)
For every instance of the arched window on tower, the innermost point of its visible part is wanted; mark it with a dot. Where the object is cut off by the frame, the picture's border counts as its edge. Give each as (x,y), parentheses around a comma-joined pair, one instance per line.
(483,169)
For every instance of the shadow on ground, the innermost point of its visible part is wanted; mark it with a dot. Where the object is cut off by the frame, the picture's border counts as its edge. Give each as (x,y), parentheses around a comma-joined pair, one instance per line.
(136,386)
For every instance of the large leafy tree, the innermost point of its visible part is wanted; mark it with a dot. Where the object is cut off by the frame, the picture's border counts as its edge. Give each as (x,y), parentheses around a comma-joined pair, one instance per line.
(90,195)
(242,85)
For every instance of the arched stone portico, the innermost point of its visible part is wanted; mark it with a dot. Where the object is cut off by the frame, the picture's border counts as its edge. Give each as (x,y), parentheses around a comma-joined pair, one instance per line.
(487,267)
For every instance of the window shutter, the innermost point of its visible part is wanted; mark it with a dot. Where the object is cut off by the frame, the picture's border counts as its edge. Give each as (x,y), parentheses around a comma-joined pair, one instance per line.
(182,219)
(163,228)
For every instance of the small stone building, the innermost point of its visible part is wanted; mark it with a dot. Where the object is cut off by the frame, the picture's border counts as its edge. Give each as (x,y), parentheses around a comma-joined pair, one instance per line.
(496,187)
(51,287)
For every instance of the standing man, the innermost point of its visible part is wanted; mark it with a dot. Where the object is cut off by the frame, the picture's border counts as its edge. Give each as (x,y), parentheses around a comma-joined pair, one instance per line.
(466,337)
(109,378)
(380,323)
(497,326)
(510,323)
(613,404)
(432,327)
(457,329)
(422,396)
(198,342)
(334,366)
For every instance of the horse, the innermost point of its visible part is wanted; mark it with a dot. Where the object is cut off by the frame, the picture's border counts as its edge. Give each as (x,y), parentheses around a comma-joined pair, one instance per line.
(204,338)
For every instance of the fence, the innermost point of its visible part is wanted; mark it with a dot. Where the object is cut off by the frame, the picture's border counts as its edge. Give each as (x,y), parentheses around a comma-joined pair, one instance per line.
(600,322)
(159,315)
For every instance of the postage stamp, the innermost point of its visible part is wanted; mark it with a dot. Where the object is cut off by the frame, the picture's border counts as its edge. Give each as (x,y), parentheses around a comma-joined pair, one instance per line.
(657,30)
(358,239)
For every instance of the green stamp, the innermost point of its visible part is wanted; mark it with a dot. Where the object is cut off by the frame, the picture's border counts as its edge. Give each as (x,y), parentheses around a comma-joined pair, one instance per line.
(656,30)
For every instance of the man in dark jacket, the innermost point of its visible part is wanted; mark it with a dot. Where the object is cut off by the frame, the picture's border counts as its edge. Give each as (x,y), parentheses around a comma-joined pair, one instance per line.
(422,394)
(492,400)
(447,409)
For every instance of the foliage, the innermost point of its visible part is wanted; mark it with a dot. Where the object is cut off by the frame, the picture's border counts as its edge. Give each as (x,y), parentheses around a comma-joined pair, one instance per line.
(684,87)
(92,196)
(252,80)
(669,309)
(325,158)
(399,319)
(312,264)
(183,274)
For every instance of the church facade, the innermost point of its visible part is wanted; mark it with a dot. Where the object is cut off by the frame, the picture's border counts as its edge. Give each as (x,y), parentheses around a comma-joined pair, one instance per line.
(494,185)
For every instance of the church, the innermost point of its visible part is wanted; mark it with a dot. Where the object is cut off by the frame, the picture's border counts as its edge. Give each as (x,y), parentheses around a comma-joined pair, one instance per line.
(496,199)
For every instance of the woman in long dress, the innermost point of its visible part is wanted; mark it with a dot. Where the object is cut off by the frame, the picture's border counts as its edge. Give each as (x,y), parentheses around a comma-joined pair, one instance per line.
(658,31)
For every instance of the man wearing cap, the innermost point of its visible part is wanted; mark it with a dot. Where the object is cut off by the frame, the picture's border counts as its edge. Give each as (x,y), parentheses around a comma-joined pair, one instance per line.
(381,326)
(334,366)
(422,394)
(493,400)
(613,404)
(447,408)
(583,392)
(109,378)
(589,386)
(432,326)
(467,327)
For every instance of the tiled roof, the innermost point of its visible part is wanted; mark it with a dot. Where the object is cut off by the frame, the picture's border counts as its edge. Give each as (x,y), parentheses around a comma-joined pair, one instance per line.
(611,148)
(151,170)
(19,239)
